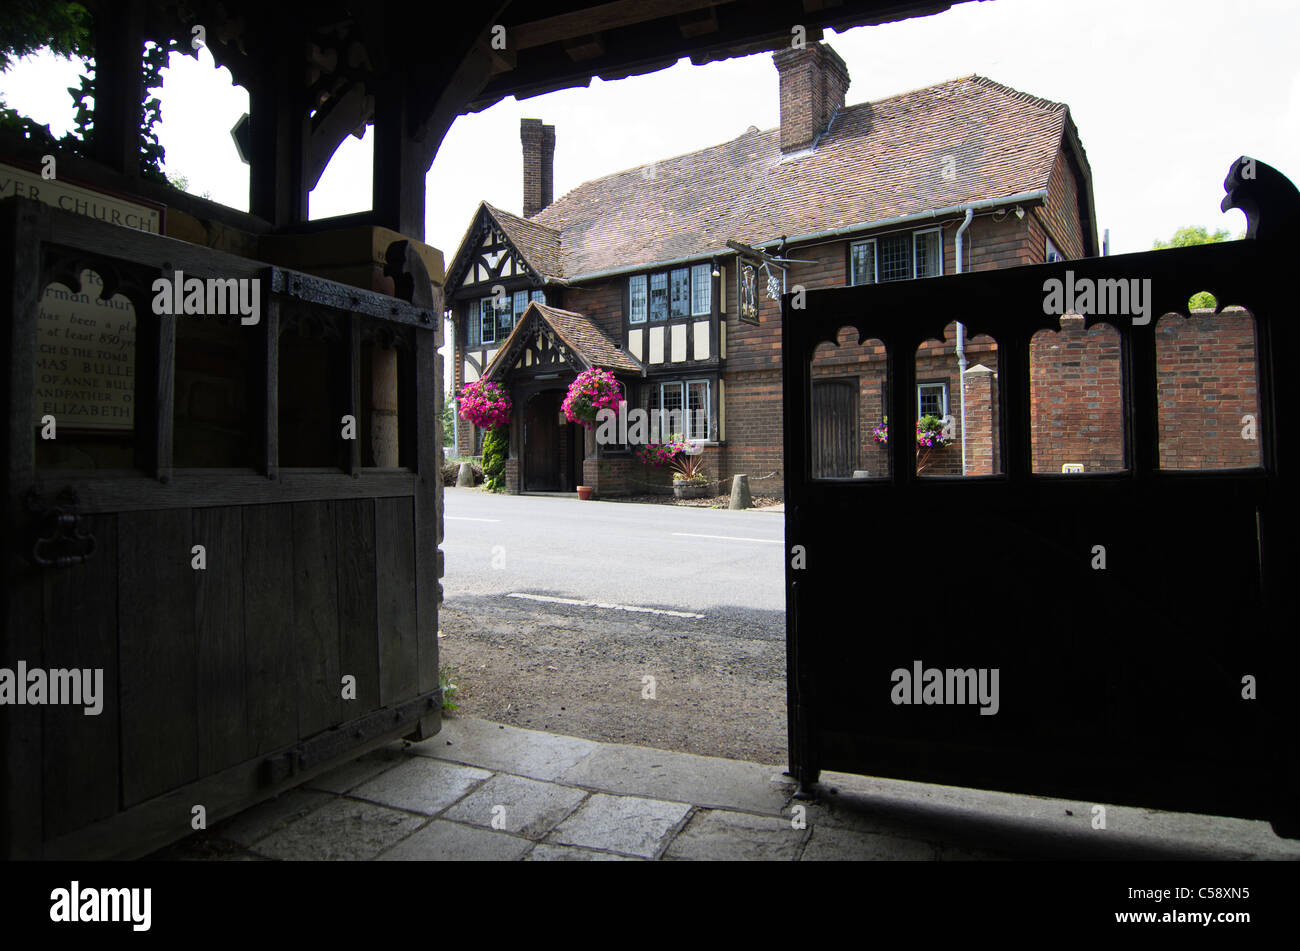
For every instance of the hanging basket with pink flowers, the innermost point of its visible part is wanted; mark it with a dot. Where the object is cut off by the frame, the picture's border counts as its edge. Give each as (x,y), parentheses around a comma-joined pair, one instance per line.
(592,391)
(485,404)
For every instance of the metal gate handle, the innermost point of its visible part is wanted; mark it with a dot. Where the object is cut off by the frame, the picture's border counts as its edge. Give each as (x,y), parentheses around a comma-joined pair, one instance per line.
(60,539)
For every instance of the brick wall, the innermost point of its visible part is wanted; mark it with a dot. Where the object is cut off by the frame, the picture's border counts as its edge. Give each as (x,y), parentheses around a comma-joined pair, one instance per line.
(602,303)
(611,476)
(1206,379)
(1060,214)
(753,432)
(1206,383)
(1075,382)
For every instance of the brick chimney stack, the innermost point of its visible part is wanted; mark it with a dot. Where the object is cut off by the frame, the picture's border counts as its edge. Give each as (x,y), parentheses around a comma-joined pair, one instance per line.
(813,83)
(539,164)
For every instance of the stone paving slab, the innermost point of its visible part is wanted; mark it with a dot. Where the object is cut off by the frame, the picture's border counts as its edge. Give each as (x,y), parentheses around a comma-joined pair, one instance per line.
(831,844)
(627,824)
(683,777)
(340,830)
(442,841)
(421,785)
(719,835)
(509,749)
(588,801)
(568,853)
(271,816)
(525,807)
(359,770)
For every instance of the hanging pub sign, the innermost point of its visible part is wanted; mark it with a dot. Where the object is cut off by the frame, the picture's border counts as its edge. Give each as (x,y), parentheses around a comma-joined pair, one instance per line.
(747,265)
(757,272)
(85,347)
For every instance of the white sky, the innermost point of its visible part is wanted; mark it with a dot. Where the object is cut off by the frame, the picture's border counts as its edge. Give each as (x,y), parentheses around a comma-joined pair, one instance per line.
(1165,93)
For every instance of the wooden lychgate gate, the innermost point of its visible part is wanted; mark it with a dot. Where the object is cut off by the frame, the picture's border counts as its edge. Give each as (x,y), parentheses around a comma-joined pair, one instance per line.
(1160,675)
(255,583)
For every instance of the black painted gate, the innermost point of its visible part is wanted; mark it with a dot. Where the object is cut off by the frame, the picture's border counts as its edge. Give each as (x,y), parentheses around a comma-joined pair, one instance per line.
(1161,675)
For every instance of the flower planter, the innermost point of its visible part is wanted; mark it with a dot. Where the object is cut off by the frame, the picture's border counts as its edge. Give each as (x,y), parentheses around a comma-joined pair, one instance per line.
(690,490)
(584,492)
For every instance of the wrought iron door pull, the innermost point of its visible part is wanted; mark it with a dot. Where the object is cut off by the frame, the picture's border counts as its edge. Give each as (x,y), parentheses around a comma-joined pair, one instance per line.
(60,540)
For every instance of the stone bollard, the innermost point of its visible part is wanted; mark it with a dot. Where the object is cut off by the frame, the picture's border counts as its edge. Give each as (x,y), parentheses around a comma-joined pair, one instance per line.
(740,498)
(465,477)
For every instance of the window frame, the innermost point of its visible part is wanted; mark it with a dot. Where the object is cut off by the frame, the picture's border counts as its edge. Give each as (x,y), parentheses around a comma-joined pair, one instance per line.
(684,384)
(482,338)
(943,399)
(1051,254)
(632,312)
(916,235)
(706,270)
(874,242)
(650,299)
(698,284)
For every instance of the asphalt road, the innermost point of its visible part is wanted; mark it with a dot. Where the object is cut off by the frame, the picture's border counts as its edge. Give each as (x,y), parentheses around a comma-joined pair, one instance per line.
(711,561)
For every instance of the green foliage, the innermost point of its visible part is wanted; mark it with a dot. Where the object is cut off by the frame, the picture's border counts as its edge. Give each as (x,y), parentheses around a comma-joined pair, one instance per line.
(447,677)
(1188,236)
(496,446)
(448,422)
(27,26)
(64,27)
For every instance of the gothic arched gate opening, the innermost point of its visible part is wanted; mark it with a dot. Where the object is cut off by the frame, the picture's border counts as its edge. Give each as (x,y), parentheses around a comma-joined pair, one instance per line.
(1154,675)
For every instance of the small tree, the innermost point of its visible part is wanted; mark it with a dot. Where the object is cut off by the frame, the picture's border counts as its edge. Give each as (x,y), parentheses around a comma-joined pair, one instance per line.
(1186,237)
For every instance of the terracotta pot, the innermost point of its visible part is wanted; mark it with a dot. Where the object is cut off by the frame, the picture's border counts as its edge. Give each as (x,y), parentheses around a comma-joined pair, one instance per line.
(584,492)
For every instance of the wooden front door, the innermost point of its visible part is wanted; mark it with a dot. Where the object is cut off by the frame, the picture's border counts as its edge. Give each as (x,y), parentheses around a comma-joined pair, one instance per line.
(542,457)
(834,428)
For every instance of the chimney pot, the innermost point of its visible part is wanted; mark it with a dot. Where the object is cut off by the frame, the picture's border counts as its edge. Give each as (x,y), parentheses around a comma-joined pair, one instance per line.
(539,164)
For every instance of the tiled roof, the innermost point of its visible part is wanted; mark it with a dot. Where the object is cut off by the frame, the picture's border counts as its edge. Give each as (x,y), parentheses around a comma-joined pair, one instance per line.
(878,161)
(539,244)
(576,331)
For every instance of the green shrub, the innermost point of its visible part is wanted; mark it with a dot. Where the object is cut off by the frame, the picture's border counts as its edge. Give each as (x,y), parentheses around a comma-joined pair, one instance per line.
(496,446)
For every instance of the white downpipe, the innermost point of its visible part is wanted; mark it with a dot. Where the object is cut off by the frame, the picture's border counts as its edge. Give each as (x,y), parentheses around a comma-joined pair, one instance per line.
(961,339)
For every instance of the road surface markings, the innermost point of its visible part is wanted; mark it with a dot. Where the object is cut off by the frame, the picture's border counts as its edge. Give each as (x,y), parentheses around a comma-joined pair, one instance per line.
(733,538)
(466,518)
(601,604)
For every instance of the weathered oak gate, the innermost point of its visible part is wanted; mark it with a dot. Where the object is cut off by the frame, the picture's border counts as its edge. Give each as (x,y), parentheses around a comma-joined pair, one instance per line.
(223,678)
(1121,685)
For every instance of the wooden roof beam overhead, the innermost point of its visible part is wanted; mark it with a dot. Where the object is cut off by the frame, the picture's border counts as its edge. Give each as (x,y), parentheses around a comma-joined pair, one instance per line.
(641,37)
(582,48)
(620,13)
(698,22)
